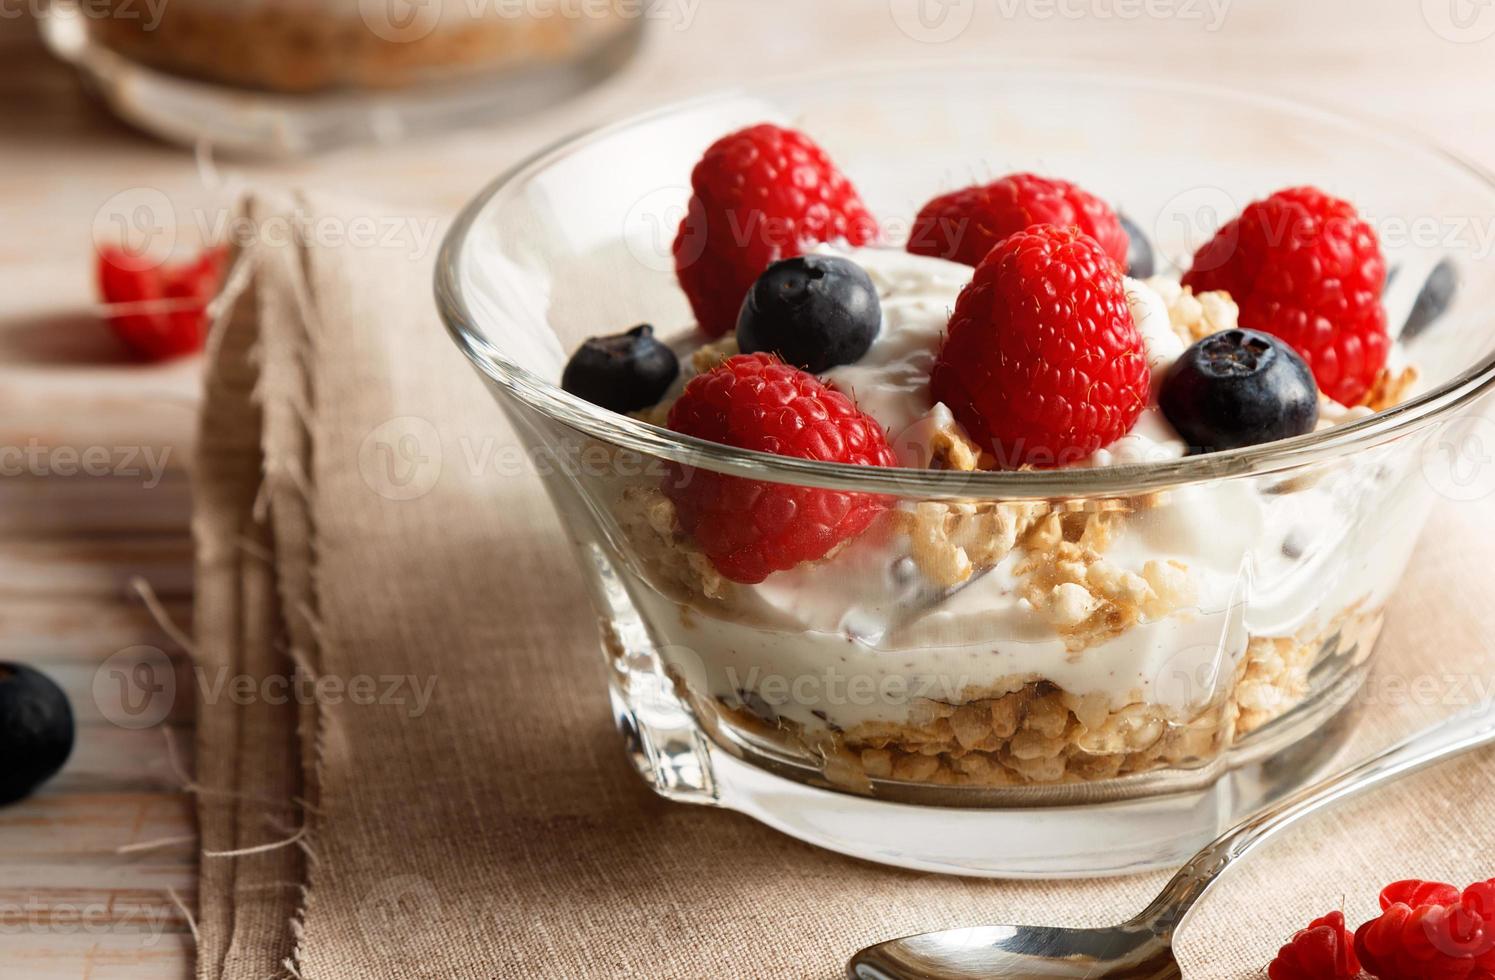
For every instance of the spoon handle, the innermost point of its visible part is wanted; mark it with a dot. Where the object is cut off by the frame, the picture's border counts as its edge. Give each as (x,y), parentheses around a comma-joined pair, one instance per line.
(1466,730)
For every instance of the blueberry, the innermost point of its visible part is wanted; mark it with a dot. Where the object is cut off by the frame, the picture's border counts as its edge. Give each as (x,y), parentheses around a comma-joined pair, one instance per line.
(36,730)
(1139,261)
(1433,300)
(624,372)
(815,311)
(1239,388)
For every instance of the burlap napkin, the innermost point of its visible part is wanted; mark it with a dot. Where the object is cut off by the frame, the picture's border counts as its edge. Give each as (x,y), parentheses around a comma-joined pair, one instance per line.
(450,800)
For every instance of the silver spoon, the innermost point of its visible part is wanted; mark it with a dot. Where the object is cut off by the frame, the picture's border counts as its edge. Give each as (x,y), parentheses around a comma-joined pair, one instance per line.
(1142,947)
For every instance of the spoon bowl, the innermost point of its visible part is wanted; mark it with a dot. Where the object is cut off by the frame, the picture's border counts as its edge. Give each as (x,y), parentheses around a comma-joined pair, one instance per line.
(1133,951)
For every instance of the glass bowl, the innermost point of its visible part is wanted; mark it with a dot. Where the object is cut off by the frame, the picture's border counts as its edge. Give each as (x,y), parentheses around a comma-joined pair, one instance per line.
(867,704)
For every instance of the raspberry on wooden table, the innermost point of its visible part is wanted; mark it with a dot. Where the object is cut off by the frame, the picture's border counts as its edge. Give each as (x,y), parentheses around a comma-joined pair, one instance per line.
(179,293)
(752,528)
(1042,363)
(759,195)
(966,224)
(1305,267)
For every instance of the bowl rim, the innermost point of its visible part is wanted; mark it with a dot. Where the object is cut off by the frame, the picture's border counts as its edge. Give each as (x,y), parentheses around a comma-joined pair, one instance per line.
(1126,479)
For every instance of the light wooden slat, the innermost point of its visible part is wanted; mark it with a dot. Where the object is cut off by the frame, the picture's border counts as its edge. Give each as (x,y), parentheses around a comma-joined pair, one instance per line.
(87,629)
(54,568)
(110,759)
(85,871)
(58,824)
(89,506)
(62,955)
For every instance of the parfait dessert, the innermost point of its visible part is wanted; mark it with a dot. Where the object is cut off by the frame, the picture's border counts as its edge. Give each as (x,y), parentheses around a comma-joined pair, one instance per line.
(878,640)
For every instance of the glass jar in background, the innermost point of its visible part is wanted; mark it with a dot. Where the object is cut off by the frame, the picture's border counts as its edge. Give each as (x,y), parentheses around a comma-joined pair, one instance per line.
(297,76)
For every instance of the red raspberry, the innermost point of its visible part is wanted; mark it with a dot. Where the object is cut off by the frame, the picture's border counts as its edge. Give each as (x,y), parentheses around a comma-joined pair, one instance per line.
(750,528)
(1451,937)
(1415,892)
(1322,951)
(1042,363)
(762,194)
(1303,265)
(179,292)
(966,224)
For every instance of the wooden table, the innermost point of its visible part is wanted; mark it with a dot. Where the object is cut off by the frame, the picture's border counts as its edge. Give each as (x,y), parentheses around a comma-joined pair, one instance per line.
(72,902)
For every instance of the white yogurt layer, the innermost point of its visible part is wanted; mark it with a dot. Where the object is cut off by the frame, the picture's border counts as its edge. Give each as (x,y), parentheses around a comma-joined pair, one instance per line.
(860,636)
(891,381)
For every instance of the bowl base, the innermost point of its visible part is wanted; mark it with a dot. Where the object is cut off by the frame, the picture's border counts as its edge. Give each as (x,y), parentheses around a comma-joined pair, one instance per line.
(1099,840)
(1120,837)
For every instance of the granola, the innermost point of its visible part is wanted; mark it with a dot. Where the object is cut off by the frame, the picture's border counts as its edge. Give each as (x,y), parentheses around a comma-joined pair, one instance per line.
(1195,317)
(1032,732)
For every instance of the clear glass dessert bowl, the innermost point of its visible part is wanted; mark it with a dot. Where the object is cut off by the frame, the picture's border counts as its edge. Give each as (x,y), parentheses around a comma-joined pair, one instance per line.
(1073,671)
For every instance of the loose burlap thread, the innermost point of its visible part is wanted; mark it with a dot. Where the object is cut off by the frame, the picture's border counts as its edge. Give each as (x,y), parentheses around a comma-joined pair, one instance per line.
(347,529)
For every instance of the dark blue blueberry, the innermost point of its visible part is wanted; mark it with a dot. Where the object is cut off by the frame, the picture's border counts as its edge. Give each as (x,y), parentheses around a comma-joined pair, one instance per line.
(1139,261)
(1433,300)
(1239,388)
(36,730)
(815,311)
(624,372)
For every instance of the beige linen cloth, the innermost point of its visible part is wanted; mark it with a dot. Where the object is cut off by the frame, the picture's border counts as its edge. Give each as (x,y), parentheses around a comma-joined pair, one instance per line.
(494,829)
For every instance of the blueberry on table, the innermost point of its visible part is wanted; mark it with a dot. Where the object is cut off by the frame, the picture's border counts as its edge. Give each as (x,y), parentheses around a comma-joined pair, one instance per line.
(36,730)
(815,312)
(1433,300)
(624,372)
(1239,388)
(1139,261)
